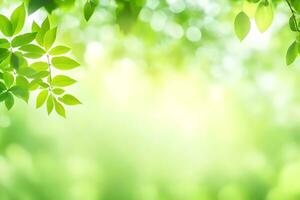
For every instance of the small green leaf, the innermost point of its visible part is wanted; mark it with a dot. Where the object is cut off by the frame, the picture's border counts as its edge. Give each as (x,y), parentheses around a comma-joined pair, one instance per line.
(89,9)
(8,79)
(69,100)
(42,31)
(41,74)
(4,53)
(18,18)
(242,25)
(4,43)
(50,104)
(58,91)
(60,109)
(50,37)
(41,98)
(5,26)
(62,81)
(20,92)
(39,66)
(23,39)
(2,87)
(9,101)
(3,96)
(14,61)
(59,50)
(293,23)
(27,71)
(22,82)
(264,15)
(292,53)
(64,63)
(32,48)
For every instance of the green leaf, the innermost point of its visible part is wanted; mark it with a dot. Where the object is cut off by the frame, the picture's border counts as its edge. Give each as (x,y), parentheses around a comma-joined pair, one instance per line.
(18,18)
(27,71)
(9,101)
(64,63)
(89,9)
(264,15)
(4,53)
(50,104)
(62,81)
(41,74)
(69,100)
(39,66)
(58,91)
(59,50)
(293,23)
(50,37)
(4,43)
(2,87)
(20,92)
(22,82)
(32,48)
(3,96)
(14,61)
(41,98)
(23,39)
(32,55)
(296,5)
(60,109)
(8,79)
(5,26)
(242,25)
(292,53)
(42,31)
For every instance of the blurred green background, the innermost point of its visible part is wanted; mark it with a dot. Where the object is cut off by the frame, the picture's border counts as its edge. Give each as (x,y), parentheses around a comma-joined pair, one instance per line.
(174,108)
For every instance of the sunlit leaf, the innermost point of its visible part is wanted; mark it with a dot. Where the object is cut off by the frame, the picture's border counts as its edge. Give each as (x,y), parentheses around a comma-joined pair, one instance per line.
(69,100)
(58,50)
(41,98)
(18,18)
(62,81)
(64,63)
(242,25)
(23,39)
(264,15)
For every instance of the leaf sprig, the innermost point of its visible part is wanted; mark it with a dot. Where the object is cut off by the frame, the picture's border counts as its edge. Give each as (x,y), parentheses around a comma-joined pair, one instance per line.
(27,61)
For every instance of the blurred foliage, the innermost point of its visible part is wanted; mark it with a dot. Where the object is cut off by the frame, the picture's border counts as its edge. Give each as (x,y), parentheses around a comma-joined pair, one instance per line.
(176,108)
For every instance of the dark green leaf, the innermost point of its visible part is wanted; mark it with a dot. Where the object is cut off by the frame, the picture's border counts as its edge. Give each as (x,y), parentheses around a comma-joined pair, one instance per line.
(89,9)
(14,61)
(9,101)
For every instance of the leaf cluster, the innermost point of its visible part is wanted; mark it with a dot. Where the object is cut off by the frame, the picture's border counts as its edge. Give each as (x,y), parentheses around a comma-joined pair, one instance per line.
(27,61)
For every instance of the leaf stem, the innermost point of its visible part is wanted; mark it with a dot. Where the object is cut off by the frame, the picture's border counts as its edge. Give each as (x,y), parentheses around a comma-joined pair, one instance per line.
(50,71)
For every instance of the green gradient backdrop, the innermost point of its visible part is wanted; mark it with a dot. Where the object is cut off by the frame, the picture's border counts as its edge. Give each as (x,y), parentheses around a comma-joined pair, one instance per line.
(167,114)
